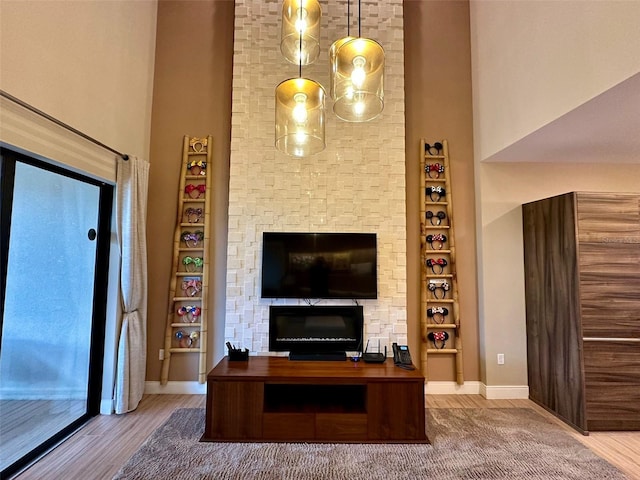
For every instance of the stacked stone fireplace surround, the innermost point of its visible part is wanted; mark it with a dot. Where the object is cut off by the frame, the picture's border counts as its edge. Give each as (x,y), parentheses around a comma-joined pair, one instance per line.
(357,184)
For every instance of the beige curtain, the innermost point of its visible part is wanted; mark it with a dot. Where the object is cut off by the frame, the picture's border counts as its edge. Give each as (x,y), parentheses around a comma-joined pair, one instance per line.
(132,181)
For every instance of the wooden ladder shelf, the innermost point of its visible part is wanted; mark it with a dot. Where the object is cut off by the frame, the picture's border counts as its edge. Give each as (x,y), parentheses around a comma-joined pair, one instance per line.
(186,327)
(440,320)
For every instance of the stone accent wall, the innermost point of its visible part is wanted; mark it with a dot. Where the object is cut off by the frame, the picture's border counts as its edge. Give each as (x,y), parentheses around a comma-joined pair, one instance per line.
(357,184)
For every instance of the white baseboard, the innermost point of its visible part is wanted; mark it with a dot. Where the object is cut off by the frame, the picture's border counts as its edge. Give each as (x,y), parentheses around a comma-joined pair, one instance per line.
(502,392)
(431,388)
(452,388)
(173,388)
(106,407)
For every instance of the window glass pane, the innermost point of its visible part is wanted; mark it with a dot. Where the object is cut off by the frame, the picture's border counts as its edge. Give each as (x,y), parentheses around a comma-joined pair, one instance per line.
(46,329)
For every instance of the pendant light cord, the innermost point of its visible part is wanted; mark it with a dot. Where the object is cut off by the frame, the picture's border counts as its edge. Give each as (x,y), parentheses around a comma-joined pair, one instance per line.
(348,18)
(359,9)
(300,51)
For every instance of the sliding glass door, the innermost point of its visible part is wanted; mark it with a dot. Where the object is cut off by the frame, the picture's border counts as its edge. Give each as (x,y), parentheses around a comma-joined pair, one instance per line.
(53,289)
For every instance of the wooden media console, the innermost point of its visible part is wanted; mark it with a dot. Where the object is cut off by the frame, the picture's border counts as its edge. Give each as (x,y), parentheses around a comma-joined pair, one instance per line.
(275,399)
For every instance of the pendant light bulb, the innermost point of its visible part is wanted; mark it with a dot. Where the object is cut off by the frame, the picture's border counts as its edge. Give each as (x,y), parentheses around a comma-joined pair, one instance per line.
(299,112)
(358,74)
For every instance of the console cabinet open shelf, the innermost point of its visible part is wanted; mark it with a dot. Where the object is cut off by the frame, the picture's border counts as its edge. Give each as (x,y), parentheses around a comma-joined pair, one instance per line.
(285,398)
(279,400)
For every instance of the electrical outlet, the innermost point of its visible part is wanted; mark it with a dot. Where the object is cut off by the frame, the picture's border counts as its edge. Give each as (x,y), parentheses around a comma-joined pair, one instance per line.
(501,359)
(161,354)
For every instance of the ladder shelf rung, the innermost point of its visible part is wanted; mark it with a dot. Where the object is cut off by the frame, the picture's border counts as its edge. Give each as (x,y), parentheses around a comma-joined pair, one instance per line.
(441,325)
(185,325)
(436,227)
(442,350)
(184,350)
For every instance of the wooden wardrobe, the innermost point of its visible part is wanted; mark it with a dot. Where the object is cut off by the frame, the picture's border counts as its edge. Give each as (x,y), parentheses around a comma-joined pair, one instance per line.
(582,282)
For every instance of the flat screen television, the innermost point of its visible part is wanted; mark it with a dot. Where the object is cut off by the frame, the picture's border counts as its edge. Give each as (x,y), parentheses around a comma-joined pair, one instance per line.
(322,332)
(319,265)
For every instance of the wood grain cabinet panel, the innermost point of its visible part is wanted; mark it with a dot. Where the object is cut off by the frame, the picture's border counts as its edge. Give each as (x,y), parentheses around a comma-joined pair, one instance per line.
(340,427)
(607,217)
(288,426)
(398,412)
(275,399)
(612,380)
(582,281)
(609,301)
(234,410)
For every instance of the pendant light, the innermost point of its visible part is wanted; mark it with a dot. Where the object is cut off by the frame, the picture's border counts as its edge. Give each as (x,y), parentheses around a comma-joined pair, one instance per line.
(299,122)
(333,52)
(300,32)
(357,77)
(300,117)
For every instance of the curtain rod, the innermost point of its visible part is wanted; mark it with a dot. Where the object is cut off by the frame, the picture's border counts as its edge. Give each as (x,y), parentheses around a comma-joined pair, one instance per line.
(33,109)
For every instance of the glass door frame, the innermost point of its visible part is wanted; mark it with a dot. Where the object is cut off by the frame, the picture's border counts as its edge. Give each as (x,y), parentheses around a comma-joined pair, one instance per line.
(8,160)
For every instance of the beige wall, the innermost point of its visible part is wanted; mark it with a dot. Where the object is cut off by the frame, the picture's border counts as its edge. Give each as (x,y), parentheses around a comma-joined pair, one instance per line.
(438,106)
(534,61)
(192,96)
(89,64)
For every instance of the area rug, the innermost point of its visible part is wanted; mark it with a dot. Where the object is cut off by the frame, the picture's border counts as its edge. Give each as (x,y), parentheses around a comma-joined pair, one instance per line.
(466,444)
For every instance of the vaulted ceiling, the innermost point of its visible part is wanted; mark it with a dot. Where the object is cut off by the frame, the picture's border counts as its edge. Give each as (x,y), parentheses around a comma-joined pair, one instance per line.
(605,129)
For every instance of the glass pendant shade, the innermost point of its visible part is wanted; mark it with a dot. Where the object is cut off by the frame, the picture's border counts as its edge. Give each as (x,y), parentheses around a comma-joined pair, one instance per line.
(333,64)
(300,121)
(300,33)
(357,80)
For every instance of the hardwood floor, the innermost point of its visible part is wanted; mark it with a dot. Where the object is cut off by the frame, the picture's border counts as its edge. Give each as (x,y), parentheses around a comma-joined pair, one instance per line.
(98,450)
(101,447)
